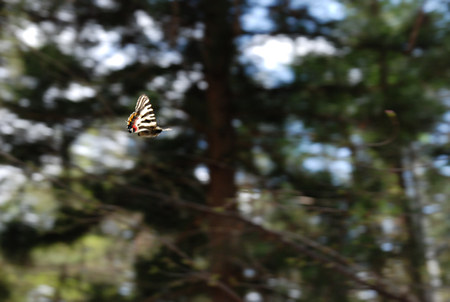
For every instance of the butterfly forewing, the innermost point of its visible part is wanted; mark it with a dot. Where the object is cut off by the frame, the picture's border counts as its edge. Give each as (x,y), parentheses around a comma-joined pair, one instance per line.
(142,102)
(146,116)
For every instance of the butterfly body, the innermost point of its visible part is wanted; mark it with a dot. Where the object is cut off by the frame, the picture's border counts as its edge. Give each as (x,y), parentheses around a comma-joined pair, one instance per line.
(143,121)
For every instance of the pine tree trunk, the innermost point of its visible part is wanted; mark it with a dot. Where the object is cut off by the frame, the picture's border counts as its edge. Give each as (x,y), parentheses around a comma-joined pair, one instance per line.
(414,248)
(218,53)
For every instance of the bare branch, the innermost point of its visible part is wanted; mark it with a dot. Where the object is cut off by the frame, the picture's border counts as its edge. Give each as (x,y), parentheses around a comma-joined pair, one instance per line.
(415,31)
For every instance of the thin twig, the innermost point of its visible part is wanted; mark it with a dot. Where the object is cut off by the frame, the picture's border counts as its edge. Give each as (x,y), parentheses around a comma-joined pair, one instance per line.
(396,129)
(416,28)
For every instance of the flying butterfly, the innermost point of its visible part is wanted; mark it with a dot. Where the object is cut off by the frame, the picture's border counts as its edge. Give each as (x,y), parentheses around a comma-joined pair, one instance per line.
(143,121)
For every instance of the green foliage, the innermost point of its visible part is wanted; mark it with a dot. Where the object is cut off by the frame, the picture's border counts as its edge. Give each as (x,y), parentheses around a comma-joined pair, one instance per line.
(5,291)
(17,241)
(70,225)
(102,292)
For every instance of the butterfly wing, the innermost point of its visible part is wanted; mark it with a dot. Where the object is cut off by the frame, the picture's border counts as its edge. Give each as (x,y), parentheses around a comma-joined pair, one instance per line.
(143,121)
(142,101)
(145,118)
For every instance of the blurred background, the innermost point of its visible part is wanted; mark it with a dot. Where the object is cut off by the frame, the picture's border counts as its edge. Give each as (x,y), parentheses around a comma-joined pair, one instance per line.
(309,157)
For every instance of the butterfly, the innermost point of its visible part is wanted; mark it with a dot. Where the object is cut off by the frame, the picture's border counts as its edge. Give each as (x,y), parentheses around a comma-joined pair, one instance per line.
(143,121)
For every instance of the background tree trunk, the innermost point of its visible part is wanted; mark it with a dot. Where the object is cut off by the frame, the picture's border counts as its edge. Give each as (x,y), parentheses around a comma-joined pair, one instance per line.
(414,248)
(218,54)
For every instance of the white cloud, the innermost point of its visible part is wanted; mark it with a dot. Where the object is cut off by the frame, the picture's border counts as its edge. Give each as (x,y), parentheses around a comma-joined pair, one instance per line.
(148,25)
(105,149)
(274,52)
(272,55)
(305,46)
(323,9)
(202,173)
(116,60)
(66,39)
(105,4)
(31,35)
(257,19)
(77,92)
(10,179)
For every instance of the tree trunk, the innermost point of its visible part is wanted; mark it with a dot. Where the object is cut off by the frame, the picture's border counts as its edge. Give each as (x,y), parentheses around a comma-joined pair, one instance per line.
(218,54)
(414,248)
